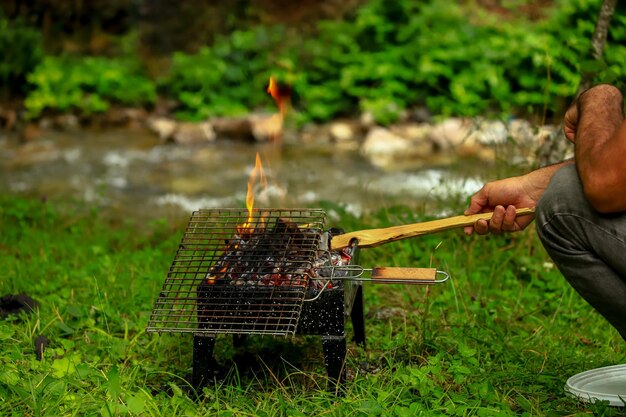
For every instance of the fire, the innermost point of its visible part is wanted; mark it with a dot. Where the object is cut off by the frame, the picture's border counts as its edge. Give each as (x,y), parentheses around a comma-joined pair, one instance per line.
(282,96)
(256,173)
(272,89)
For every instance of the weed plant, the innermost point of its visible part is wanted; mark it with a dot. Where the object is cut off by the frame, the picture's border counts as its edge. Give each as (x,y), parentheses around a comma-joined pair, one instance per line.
(501,337)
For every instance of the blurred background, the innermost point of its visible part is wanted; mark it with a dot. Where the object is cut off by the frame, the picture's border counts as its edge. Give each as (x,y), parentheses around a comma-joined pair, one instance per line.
(160,107)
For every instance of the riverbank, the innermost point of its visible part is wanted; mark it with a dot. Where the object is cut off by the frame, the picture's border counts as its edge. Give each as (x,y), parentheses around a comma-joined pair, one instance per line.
(141,160)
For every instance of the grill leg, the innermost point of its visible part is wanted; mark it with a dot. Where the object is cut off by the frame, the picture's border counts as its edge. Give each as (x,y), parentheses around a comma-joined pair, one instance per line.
(357,317)
(334,358)
(202,360)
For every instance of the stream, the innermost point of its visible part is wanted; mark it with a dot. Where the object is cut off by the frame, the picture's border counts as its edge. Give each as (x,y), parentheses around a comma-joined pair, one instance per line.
(132,170)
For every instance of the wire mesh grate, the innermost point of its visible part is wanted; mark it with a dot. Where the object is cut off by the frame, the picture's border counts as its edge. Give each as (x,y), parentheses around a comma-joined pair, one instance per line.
(236,272)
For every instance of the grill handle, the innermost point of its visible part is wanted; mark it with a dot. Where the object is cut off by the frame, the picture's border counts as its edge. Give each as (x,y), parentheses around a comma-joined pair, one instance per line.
(400,275)
(390,275)
(420,274)
(374,237)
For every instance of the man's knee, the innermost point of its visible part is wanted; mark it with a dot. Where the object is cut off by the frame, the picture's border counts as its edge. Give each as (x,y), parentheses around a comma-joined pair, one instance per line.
(564,196)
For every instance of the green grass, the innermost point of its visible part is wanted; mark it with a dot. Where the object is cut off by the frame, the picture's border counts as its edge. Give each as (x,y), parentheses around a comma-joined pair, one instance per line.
(499,338)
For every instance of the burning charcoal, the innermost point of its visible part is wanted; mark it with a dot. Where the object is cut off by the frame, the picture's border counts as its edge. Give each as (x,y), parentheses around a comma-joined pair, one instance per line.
(285,227)
(298,238)
(269,255)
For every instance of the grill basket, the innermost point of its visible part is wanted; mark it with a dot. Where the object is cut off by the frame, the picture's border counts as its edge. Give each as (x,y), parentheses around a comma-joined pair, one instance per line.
(236,273)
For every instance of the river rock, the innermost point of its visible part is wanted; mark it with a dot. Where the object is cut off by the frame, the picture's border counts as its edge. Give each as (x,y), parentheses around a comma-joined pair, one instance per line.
(472,149)
(345,135)
(552,146)
(367,119)
(313,133)
(124,116)
(488,132)
(66,121)
(193,133)
(232,127)
(415,132)
(162,126)
(342,131)
(265,127)
(522,132)
(388,150)
(450,133)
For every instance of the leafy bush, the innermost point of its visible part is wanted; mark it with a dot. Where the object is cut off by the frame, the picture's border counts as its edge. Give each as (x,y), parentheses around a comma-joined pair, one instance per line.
(227,79)
(320,60)
(394,55)
(88,85)
(21,52)
(452,57)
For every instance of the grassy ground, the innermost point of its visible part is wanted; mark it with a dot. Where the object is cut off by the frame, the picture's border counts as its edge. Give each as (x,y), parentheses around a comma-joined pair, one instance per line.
(500,338)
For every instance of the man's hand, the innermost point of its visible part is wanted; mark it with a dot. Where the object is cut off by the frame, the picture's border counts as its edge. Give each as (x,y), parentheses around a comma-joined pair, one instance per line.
(503,197)
(570,123)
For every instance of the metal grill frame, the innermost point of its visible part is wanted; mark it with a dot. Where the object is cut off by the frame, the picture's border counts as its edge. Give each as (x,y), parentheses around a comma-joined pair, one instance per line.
(190,303)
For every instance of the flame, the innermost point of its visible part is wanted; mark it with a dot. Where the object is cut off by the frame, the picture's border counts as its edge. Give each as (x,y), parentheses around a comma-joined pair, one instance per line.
(272,89)
(282,97)
(257,172)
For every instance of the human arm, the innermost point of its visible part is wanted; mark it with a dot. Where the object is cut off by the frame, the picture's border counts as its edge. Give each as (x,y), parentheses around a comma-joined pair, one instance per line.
(596,126)
(503,197)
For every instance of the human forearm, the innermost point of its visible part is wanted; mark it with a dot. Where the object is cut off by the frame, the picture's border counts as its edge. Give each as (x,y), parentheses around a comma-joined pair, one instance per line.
(536,182)
(600,148)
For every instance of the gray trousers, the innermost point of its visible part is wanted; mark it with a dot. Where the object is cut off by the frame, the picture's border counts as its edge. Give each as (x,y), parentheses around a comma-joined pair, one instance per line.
(589,248)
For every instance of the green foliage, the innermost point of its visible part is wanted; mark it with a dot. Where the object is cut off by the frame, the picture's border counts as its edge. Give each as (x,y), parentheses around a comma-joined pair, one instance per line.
(21,48)
(394,55)
(229,78)
(319,88)
(453,57)
(86,85)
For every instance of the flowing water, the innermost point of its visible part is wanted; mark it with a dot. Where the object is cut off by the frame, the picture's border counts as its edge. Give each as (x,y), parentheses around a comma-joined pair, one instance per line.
(131,169)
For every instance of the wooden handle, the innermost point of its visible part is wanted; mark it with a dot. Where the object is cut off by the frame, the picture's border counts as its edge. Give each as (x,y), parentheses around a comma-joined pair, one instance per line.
(374,237)
(409,274)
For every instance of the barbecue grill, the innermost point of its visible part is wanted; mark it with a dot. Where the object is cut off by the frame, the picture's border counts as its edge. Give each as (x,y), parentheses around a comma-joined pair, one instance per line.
(268,272)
